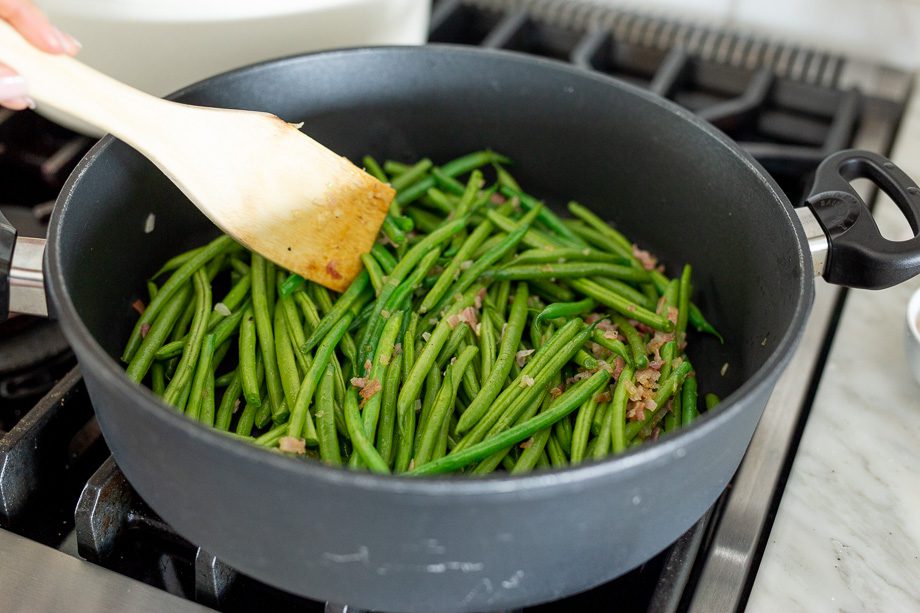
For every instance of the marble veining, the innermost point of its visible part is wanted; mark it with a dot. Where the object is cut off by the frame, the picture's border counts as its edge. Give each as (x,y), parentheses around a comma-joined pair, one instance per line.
(847,533)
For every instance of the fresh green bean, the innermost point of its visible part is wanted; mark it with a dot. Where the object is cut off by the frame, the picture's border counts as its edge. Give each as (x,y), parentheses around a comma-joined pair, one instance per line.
(156,335)
(355,294)
(373,168)
(176,388)
(618,410)
(562,406)
(583,420)
(573,270)
(562,255)
(387,424)
(284,356)
(411,174)
(229,403)
(493,386)
(203,368)
(325,417)
(359,440)
(373,270)
(384,258)
(546,216)
(172,285)
(262,292)
(711,401)
(634,340)
(683,306)
(248,352)
(566,309)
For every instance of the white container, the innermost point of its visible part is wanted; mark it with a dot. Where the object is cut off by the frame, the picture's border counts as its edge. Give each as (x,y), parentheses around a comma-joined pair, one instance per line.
(160,46)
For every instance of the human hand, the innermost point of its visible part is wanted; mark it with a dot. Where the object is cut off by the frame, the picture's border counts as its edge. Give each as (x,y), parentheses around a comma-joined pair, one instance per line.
(34,26)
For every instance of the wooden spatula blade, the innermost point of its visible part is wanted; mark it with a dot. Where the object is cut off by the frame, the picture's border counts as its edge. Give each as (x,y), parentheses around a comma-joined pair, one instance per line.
(279,192)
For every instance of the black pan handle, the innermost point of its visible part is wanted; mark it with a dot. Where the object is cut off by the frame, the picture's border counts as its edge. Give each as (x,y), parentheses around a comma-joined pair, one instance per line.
(7,244)
(858,254)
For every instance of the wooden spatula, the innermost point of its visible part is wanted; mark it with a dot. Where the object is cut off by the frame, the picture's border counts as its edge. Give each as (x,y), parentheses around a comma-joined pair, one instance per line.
(260,179)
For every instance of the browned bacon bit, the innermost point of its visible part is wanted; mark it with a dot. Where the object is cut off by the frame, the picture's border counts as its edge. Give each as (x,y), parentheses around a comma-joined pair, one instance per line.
(603,396)
(527,444)
(656,364)
(521,357)
(618,367)
(145,328)
(592,317)
(480,297)
(290,444)
(468,316)
(497,199)
(367,366)
(139,306)
(453,321)
(645,258)
(358,381)
(236,405)
(636,411)
(331,269)
(644,329)
(606,325)
(633,391)
(556,391)
(397,349)
(370,388)
(672,314)
(659,340)
(647,377)
(596,350)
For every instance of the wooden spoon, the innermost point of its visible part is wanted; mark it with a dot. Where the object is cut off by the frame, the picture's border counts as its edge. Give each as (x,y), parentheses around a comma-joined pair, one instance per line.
(260,179)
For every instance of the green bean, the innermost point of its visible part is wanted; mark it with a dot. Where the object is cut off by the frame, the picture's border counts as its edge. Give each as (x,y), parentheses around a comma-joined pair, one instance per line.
(694,315)
(203,368)
(533,238)
(152,290)
(489,244)
(301,422)
(618,410)
(271,438)
(411,174)
(561,255)
(562,431)
(207,413)
(447,182)
(602,442)
(486,348)
(583,422)
(448,276)
(408,344)
(615,346)
(373,270)
(548,360)
(156,335)
(552,291)
(229,403)
(262,283)
(384,258)
(557,457)
(355,294)
(505,179)
(172,285)
(176,261)
(248,352)
(222,331)
(284,356)
(373,168)
(359,440)
(493,385)
(586,361)
(395,168)
(474,272)
(667,352)
(295,333)
(387,424)
(325,417)
(293,283)
(601,226)
(634,340)
(408,262)
(457,337)
(453,168)
(426,360)
(711,401)
(683,306)
(158,378)
(546,216)
(187,363)
(532,453)
(264,412)
(573,270)
(424,221)
(247,418)
(440,412)
(392,231)
(562,406)
(439,200)
(566,309)
(383,355)
(502,298)
(626,291)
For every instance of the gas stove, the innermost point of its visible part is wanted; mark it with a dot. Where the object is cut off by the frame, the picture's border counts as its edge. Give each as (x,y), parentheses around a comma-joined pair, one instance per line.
(74,534)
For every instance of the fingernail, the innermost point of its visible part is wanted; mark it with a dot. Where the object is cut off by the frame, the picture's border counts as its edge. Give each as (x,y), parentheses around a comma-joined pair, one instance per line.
(18,104)
(13,86)
(69,44)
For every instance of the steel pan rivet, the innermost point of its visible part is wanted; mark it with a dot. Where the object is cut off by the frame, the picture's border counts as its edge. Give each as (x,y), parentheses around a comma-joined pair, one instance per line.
(913,190)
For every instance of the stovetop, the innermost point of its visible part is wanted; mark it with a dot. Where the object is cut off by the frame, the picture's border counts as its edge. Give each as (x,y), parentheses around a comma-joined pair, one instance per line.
(788,106)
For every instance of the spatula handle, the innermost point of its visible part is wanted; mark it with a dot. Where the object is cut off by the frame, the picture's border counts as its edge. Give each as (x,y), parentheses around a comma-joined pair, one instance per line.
(74,89)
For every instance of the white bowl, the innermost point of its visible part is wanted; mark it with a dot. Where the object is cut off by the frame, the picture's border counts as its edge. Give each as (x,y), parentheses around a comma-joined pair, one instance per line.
(912,340)
(163,45)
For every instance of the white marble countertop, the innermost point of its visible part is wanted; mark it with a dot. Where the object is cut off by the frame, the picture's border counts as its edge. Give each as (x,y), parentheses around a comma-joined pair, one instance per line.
(847,533)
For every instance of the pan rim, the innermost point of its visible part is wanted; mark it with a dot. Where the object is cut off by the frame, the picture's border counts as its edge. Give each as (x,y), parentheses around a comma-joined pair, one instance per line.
(105,368)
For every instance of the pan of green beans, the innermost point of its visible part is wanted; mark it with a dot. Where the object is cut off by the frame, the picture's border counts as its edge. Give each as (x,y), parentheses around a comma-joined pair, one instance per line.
(486,333)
